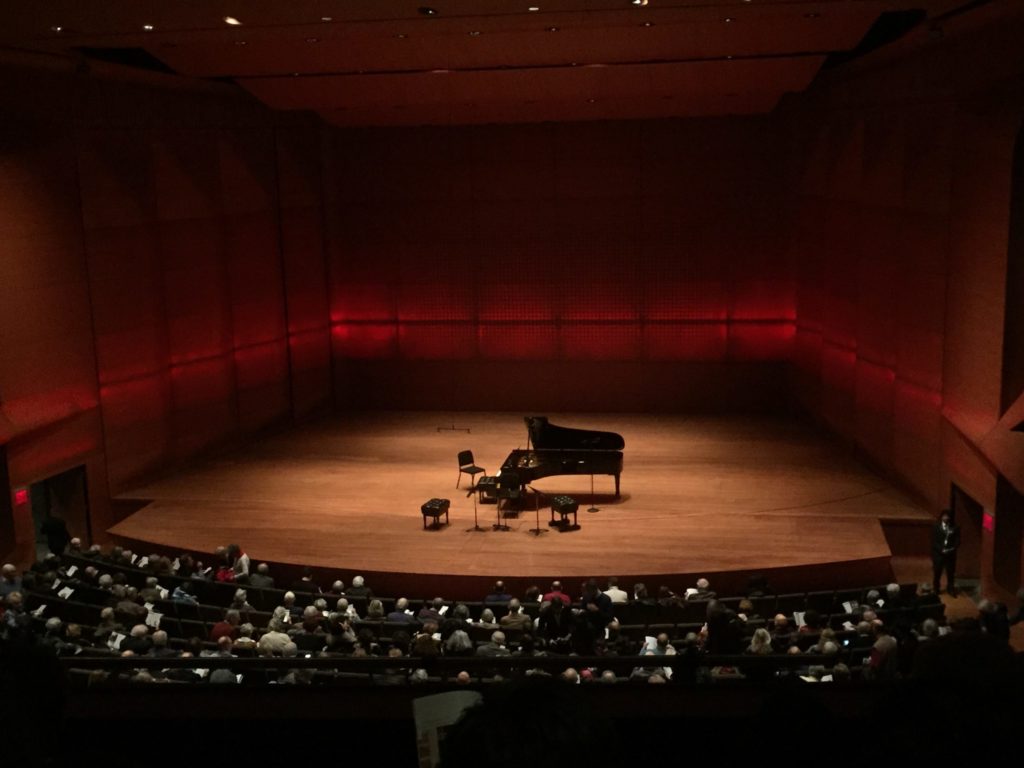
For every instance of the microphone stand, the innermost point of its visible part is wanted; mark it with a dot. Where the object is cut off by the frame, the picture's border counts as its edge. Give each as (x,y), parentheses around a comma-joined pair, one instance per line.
(476,522)
(593,506)
(536,508)
(499,526)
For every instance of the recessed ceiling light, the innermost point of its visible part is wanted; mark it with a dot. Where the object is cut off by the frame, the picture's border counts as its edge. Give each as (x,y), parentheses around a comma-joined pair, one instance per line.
(232,21)
(427,10)
(552,29)
(591,101)
(475,33)
(148,27)
(57,29)
(326,18)
(639,2)
(648,24)
(533,8)
(729,19)
(312,39)
(811,15)
(401,35)
(240,42)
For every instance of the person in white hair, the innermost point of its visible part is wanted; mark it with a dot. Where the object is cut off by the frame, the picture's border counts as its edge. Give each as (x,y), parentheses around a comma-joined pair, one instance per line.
(10,581)
(359,589)
(138,641)
(262,578)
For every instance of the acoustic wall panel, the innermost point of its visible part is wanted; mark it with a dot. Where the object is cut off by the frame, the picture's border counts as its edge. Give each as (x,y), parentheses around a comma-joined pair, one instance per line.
(632,242)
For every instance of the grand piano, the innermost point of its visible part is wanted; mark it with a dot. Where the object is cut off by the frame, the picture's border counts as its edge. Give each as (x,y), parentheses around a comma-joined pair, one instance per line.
(553,450)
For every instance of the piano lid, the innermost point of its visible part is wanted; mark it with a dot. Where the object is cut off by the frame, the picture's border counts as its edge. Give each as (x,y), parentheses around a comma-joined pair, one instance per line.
(547,436)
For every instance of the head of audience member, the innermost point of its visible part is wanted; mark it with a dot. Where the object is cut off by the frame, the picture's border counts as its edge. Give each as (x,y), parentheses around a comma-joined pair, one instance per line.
(338,587)
(358,582)
(486,616)
(761,642)
(9,573)
(402,604)
(458,643)
(375,610)
(812,620)
(460,612)
(498,638)
(929,629)
(311,618)
(514,606)
(288,600)
(75,545)
(640,591)
(703,584)
(232,617)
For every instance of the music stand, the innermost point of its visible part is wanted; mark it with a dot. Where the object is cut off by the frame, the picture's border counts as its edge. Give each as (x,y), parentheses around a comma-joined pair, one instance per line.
(593,507)
(536,508)
(476,522)
(506,483)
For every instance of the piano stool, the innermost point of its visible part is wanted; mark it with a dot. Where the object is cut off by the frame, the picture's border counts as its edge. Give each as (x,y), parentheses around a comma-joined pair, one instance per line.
(564,506)
(487,489)
(435,508)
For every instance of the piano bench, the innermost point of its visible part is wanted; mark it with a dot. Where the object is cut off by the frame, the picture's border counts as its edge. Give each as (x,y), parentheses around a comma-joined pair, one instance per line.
(435,508)
(564,506)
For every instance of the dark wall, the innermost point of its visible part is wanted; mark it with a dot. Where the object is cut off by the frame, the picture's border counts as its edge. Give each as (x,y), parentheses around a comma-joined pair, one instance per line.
(591,263)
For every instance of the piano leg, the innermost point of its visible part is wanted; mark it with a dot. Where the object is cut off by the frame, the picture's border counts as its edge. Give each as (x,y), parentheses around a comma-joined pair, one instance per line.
(616,486)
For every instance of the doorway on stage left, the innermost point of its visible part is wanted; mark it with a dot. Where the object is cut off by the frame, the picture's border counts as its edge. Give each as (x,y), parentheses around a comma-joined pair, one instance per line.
(66,496)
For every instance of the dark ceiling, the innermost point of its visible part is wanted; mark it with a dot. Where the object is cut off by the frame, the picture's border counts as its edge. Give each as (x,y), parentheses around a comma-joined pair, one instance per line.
(385,62)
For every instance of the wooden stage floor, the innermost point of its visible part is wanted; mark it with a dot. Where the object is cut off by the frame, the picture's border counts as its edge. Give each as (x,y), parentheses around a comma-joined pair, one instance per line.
(722,497)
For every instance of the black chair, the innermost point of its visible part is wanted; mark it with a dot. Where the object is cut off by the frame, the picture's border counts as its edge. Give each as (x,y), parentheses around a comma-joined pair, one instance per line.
(509,487)
(468,467)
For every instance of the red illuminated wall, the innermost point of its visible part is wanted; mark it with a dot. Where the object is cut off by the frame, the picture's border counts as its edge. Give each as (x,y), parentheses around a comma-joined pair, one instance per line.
(163,284)
(560,265)
(900,237)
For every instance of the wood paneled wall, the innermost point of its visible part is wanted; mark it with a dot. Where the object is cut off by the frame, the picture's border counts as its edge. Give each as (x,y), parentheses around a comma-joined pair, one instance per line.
(163,286)
(549,261)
